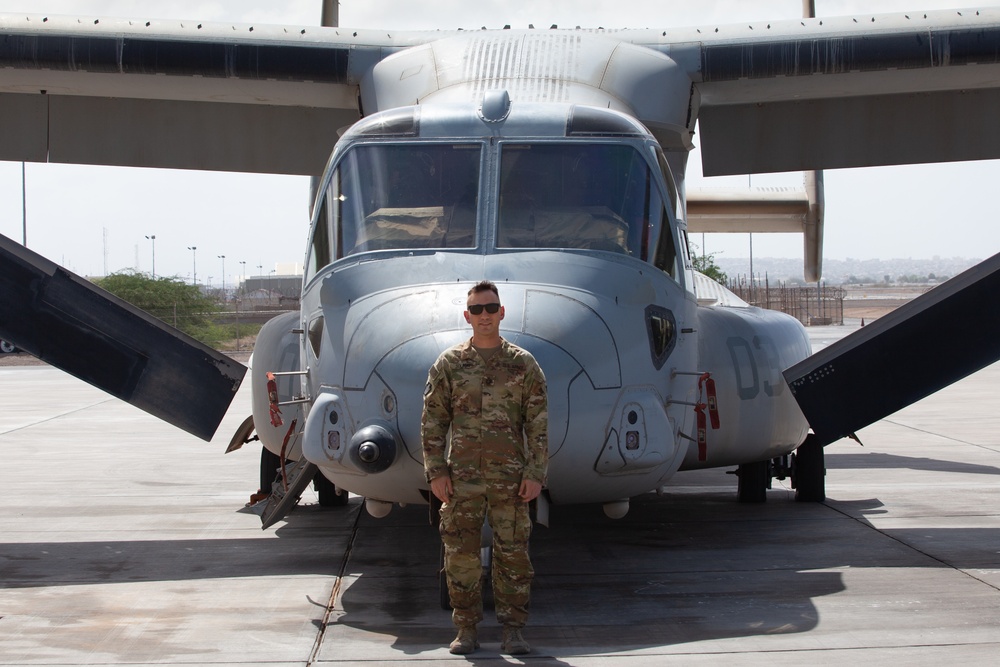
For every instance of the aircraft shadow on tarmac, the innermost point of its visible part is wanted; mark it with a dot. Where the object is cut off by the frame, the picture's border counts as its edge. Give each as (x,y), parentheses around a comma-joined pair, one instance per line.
(314,544)
(862,460)
(677,569)
(685,567)
(657,577)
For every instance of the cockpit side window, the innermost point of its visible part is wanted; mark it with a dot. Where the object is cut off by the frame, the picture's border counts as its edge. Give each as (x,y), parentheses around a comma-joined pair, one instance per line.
(401,196)
(668,177)
(590,196)
(320,250)
(665,253)
(665,258)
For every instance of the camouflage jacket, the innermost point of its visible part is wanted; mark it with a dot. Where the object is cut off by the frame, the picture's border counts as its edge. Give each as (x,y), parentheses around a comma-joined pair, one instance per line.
(497,411)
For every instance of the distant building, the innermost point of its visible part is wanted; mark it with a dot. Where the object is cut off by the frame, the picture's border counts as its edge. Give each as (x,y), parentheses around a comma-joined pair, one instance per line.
(288,268)
(271,292)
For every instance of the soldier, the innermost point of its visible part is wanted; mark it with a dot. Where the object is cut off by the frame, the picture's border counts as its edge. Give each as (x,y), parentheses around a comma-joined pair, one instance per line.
(492,395)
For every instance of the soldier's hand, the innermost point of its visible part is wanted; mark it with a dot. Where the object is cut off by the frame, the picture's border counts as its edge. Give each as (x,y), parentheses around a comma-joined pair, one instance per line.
(441,488)
(529,490)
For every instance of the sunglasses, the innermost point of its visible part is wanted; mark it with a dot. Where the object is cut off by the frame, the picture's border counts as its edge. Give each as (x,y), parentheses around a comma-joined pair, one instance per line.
(477,309)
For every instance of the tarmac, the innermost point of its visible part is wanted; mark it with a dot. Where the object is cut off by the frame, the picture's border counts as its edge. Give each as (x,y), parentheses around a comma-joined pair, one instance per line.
(126,542)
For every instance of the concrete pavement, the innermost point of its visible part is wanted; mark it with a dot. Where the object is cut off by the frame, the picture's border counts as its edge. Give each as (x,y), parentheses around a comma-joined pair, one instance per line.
(125,541)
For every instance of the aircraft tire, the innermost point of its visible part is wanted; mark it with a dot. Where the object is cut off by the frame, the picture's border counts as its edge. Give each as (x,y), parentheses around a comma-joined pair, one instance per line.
(809,472)
(753,480)
(269,465)
(327,492)
(7,348)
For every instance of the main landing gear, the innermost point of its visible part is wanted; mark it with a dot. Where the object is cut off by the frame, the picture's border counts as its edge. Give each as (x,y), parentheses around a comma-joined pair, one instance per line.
(805,467)
(270,473)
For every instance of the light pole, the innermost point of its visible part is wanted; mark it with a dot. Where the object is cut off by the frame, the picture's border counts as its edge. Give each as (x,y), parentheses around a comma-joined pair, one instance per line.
(223,258)
(241,291)
(269,293)
(152,237)
(194,263)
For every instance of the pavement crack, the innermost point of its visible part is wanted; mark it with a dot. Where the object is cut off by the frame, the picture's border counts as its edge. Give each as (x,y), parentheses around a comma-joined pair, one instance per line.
(938,435)
(335,593)
(58,416)
(944,563)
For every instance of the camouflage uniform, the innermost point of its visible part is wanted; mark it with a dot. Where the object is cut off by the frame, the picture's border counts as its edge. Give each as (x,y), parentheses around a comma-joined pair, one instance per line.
(497,412)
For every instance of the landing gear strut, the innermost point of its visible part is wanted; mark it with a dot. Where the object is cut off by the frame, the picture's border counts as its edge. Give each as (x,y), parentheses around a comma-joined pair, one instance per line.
(805,467)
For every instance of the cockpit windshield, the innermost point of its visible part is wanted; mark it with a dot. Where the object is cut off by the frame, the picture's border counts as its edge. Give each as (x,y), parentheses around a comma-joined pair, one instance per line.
(600,196)
(399,196)
(593,196)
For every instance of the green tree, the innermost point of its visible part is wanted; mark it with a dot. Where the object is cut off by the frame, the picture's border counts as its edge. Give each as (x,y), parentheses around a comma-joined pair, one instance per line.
(175,302)
(706,264)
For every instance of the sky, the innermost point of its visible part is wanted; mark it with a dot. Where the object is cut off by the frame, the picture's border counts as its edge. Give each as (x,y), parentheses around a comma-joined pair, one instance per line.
(94,220)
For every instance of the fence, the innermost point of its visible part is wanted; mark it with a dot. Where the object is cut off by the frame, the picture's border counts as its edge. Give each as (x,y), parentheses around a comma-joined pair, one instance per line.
(812,305)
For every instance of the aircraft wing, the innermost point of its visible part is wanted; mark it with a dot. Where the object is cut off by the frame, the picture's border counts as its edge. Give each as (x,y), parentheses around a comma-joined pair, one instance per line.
(852,91)
(180,94)
(781,96)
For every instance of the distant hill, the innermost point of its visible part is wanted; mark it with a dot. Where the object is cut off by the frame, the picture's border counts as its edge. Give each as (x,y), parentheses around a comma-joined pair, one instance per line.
(849,271)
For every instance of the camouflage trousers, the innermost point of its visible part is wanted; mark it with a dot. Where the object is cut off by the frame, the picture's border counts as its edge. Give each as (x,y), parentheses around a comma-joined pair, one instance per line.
(461,532)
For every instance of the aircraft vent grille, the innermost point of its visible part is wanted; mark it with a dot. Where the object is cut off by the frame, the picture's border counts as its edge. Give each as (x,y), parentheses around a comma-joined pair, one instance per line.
(532,68)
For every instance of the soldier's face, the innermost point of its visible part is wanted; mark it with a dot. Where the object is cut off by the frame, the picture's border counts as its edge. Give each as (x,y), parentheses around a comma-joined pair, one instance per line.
(485,322)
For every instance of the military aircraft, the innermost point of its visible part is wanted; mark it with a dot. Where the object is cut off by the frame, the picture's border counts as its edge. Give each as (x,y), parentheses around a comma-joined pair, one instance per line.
(550,161)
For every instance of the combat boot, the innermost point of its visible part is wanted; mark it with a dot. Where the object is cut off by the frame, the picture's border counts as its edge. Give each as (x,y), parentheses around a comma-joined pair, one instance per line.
(466,642)
(513,643)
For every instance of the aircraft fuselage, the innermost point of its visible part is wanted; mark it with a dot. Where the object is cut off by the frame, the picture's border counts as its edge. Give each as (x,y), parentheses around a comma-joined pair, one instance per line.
(570,210)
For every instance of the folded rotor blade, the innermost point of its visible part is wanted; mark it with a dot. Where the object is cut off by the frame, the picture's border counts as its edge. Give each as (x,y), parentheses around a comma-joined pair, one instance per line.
(938,338)
(74,325)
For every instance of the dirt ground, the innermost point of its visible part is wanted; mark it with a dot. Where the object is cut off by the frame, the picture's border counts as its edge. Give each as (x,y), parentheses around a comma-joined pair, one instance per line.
(873,301)
(867,313)
(25,359)
(19,359)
